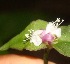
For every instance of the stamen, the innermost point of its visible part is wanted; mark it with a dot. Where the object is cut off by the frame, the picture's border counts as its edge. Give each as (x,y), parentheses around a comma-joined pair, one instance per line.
(56,23)
(61,22)
(24,40)
(27,35)
(57,20)
(31,31)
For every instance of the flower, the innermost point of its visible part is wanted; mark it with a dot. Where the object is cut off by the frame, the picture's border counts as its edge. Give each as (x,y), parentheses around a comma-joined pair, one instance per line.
(52,28)
(46,36)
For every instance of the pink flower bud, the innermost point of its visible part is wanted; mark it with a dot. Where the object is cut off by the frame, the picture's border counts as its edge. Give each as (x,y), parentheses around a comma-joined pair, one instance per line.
(48,38)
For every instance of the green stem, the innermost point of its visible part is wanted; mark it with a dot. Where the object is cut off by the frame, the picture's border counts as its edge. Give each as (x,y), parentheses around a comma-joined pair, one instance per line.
(46,55)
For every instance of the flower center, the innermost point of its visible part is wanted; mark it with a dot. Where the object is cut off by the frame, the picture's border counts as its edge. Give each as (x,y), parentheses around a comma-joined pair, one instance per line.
(47,37)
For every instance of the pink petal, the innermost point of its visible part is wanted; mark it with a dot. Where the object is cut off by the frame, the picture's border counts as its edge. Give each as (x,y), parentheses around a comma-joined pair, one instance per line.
(43,33)
(48,38)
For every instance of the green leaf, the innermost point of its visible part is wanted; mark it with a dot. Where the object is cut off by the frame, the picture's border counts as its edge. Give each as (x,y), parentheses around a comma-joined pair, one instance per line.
(63,45)
(31,47)
(18,43)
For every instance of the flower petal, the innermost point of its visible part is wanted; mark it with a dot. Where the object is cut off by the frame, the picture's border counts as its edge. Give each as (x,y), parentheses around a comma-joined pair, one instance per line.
(50,27)
(57,32)
(36,40)
(37,32)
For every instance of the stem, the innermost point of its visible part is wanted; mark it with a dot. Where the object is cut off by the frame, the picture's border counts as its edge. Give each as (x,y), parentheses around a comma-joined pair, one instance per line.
(46,55)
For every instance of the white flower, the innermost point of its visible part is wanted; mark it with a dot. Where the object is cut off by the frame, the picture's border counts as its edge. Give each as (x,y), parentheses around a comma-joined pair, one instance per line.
(47,35)
(52,28)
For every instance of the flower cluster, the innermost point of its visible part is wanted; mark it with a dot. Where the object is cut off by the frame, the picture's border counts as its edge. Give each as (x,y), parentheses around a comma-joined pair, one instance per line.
(45,36)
